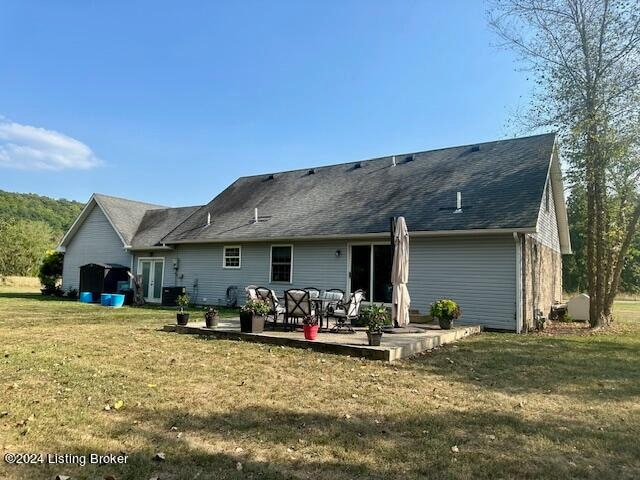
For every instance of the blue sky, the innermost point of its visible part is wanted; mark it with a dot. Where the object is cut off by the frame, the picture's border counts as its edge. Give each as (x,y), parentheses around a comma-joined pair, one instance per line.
(170,102)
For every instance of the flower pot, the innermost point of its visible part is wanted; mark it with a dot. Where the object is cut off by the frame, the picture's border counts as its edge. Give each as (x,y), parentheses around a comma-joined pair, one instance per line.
(445,323)
(211,321)
(310,331)
(182,318)
(250,323)
(374,338)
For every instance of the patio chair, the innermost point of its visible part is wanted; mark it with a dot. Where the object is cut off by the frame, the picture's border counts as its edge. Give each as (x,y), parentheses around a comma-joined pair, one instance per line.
(297,304)
(250,290)
(313,292)
(345,312)
(269,296)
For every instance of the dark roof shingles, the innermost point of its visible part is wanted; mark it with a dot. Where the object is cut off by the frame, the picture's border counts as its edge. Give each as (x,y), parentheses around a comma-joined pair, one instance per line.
(501,184)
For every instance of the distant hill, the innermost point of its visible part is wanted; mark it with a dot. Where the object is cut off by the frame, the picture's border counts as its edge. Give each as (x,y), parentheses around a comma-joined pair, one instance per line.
(58,214)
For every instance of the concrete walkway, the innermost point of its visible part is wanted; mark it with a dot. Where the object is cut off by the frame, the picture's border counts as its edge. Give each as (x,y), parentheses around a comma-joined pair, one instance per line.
(393,347)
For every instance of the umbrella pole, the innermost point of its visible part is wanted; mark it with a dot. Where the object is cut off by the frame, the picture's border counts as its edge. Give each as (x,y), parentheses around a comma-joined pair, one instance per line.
(392,230)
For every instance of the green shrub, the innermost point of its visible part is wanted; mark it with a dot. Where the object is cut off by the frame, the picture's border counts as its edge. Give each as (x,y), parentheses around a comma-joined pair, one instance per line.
(183,301)
(446,309)
(376,317)
(256,307)
(51,269)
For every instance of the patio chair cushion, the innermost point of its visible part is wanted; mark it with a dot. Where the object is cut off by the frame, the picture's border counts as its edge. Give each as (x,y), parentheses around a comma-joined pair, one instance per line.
(298,303)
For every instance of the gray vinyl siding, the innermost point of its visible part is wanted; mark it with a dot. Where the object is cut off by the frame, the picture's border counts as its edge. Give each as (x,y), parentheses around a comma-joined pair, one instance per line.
(95,242)
(547,222)
(479,273)
(315,264)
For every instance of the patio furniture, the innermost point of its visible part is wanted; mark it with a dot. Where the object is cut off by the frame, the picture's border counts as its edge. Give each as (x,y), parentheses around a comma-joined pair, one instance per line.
(313,292)
(250,290)
(297,304)
(269,296)
(326,300)
(344,312)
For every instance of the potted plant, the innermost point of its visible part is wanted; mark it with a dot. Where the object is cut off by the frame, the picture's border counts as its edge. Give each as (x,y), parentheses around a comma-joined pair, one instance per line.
(183,301)
(310,327)
(377,317)
(446,311)
(252,316)
(211,317)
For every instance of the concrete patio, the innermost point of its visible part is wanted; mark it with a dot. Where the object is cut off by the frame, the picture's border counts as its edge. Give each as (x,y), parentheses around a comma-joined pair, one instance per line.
(394,346)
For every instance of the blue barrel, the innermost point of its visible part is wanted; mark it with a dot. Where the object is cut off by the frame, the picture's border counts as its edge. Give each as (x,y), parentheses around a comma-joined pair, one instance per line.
(105,299)
(86,297)
(117,300)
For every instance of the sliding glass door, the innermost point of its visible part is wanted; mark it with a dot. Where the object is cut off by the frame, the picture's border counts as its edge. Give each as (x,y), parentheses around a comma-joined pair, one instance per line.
(371,271)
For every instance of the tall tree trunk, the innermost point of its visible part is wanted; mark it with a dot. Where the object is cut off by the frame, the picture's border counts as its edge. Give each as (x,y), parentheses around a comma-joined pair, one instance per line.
(619,263)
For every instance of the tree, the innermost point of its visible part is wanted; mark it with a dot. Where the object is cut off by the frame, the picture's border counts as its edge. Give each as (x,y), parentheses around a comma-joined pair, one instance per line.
(23,244)
(584,56)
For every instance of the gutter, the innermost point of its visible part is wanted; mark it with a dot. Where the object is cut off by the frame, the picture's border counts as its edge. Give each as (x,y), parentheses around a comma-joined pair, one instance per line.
(414,234)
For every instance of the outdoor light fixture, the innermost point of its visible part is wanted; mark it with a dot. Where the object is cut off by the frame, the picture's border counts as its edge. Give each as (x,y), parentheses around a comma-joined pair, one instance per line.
(338,253)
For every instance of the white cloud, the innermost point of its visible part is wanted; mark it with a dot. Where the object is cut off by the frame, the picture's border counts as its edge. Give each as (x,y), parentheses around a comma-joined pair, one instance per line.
(32,148)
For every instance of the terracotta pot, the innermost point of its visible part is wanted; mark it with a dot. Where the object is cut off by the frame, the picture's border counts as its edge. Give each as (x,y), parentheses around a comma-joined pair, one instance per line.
(310,332)
(250,323)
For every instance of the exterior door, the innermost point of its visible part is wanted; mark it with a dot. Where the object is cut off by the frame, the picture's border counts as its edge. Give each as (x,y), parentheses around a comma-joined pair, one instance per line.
(152,271)
(371,271)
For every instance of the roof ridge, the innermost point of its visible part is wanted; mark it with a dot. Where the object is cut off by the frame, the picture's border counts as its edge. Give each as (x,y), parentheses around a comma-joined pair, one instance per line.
(399,155)
(129,200)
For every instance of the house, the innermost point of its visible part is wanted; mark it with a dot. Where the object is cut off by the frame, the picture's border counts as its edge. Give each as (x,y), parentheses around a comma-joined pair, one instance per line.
(487,222)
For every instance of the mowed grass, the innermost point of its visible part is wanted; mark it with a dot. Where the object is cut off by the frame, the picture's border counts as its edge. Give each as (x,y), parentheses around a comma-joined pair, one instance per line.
(514,406)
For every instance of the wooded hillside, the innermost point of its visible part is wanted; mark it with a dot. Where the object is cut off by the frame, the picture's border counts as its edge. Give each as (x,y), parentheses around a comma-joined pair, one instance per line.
(30,225)
(58,214)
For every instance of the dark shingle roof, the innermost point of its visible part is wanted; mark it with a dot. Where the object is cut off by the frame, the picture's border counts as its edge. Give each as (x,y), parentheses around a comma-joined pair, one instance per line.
(501,183)
(157,223)
(125,214)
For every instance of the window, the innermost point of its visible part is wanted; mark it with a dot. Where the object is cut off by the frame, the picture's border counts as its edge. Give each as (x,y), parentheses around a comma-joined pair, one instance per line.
(281,263)
(231,257)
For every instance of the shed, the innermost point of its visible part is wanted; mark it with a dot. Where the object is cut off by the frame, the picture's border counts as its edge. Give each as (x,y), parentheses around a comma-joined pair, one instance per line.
(100,278)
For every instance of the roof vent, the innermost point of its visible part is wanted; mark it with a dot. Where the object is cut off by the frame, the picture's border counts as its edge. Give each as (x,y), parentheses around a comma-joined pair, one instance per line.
(270,177)
(208,219)
(255,214)
(409,158)
(475,148)
(311,171)
(357,165)
(393,161)
(458,203)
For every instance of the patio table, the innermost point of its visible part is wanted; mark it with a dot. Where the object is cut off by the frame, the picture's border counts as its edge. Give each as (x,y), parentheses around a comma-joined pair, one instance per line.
(321,304)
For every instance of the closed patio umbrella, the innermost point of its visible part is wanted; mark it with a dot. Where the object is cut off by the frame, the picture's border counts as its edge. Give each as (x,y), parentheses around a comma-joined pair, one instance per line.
(400,274)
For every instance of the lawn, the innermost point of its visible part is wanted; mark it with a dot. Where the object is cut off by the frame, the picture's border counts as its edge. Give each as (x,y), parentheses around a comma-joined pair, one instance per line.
(493,406)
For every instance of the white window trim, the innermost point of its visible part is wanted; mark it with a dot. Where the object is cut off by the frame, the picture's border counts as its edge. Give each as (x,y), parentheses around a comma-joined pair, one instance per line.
(290,245)
(224,257)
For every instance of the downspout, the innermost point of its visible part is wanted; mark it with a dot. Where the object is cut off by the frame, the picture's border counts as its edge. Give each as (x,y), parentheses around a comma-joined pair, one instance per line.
(516,238)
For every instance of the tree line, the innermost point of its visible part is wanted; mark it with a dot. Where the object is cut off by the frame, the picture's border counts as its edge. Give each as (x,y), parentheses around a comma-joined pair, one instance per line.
(30,225)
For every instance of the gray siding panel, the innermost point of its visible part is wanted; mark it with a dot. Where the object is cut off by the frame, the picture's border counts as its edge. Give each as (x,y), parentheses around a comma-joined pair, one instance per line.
(95,241)
(547,222)
(479,273)
(315,264)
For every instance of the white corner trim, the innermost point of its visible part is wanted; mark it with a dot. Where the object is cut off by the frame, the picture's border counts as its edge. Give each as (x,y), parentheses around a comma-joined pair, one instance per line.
(518,259)
(562,219)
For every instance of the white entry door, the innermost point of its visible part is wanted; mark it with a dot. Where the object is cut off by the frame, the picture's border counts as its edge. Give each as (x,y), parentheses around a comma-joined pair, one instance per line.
(152,271)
